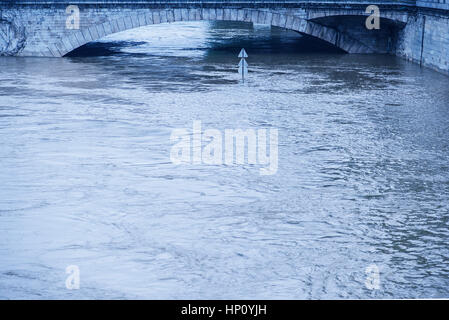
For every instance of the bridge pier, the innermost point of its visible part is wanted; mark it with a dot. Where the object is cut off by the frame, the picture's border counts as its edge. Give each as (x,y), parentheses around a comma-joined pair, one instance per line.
(425,40)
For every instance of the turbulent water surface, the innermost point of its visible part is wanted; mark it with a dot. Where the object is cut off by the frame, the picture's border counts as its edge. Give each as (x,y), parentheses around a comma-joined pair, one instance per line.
(86,177)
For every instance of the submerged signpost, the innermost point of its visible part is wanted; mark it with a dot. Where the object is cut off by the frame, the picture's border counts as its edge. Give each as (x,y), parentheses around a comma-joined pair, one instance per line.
(243,65)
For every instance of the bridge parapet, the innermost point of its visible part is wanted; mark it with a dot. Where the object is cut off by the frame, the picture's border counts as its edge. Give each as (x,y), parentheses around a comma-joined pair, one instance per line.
(435,4)
(245,3)
(424,4)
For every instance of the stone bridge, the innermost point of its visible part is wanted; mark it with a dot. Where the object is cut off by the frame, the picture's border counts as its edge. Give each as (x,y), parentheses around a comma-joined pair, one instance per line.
(415,30)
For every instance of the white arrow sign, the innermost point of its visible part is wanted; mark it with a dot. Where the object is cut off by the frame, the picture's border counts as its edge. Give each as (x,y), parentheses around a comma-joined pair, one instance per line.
(243,65)
(243,54)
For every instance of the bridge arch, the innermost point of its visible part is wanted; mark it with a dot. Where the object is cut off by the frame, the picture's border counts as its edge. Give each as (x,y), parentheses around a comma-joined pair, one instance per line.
(73,39)
(398,17)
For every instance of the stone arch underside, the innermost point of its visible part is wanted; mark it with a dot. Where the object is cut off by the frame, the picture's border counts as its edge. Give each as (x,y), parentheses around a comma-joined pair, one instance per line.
(72,39)
(381,40)
(399,17)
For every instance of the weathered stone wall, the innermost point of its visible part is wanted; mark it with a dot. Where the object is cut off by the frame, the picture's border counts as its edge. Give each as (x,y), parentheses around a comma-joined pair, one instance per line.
(425,40)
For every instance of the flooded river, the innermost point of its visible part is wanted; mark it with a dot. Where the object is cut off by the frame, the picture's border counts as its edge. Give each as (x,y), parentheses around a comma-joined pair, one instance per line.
(362,181)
